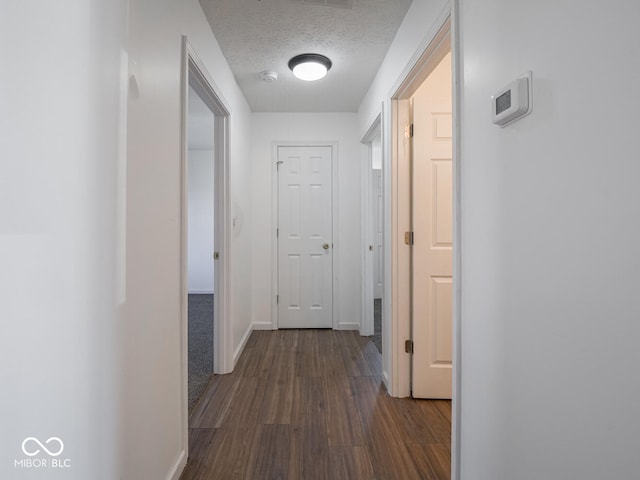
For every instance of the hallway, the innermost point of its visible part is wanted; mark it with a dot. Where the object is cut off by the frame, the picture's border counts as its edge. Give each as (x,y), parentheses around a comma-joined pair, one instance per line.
(310,404)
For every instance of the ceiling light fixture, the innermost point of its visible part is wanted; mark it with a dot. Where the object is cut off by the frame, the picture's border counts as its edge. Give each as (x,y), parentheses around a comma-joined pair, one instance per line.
(309,66)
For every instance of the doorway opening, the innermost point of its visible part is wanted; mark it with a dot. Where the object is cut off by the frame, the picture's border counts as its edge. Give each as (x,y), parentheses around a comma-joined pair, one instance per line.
(373,220)
(431,241)
(412,191)
(200,244)
(205,233)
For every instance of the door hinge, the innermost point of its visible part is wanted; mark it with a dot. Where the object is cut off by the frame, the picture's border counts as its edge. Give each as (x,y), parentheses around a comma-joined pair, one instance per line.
(408,238)
(408,346)
(277,233)
(277,299)
(408,131)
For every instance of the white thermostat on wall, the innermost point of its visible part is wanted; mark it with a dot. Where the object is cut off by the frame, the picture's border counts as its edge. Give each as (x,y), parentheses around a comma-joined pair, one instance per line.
(514,101)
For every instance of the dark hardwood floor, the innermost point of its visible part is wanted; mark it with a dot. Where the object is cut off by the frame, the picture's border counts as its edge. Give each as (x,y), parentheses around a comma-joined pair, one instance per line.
(310,404)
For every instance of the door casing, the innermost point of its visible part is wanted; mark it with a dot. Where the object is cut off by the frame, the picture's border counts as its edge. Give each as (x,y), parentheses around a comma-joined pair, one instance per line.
(194,73)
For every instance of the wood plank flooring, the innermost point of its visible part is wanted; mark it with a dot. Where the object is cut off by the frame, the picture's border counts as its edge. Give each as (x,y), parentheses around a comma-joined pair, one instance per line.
(310,404)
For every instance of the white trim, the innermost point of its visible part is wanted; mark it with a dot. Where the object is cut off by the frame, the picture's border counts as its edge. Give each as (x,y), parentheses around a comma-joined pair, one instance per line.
(375,128)
(184,282)
(194,73)
(334,224)
(222,360)
(412,73)
(274,235)
(400,254)
(385,378)
(456,393)
(176,471)
(261,326)
(243,343)
(348,326)
(388,361)
(200,292)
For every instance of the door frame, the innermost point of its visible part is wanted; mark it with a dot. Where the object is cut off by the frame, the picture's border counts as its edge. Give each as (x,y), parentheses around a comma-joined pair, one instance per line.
(445,26)
(334,230)
(194,73)
(401,200)
(375,130)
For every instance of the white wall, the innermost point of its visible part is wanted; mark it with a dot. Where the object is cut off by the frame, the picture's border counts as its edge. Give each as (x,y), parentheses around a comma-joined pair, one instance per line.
(550,263)
(59,348)
(341,127)
(414,28)
(550,235)
(151,443)
(200,232)
(105,379)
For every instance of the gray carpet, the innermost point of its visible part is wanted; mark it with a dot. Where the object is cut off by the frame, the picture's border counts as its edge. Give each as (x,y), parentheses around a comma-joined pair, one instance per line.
(200,346)
(377,324)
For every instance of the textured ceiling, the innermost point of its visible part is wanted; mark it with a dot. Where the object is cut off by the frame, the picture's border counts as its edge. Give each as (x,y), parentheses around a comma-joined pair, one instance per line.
(257,35)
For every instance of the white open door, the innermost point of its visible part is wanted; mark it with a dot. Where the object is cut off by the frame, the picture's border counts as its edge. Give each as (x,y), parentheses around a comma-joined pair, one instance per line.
(432,214)
(378,231)
(305,246)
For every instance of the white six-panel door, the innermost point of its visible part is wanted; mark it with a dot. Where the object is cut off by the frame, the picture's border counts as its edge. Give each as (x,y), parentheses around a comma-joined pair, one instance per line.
(305,237)
(432,222)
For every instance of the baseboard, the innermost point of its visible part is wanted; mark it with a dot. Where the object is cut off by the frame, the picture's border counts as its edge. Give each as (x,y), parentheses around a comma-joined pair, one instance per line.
(348,326)
(243,343)
(385,380)
(361,329)
(178,467)
(200,292)
(263,326)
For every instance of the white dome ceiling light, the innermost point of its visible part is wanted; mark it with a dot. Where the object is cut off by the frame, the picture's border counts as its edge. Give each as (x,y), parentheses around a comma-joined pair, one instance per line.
(309,66)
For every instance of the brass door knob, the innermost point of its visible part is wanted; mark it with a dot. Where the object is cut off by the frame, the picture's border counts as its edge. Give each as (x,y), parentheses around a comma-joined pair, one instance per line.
(325,246)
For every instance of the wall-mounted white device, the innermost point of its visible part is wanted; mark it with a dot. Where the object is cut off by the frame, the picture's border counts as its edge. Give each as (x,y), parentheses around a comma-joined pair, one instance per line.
(513,101)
